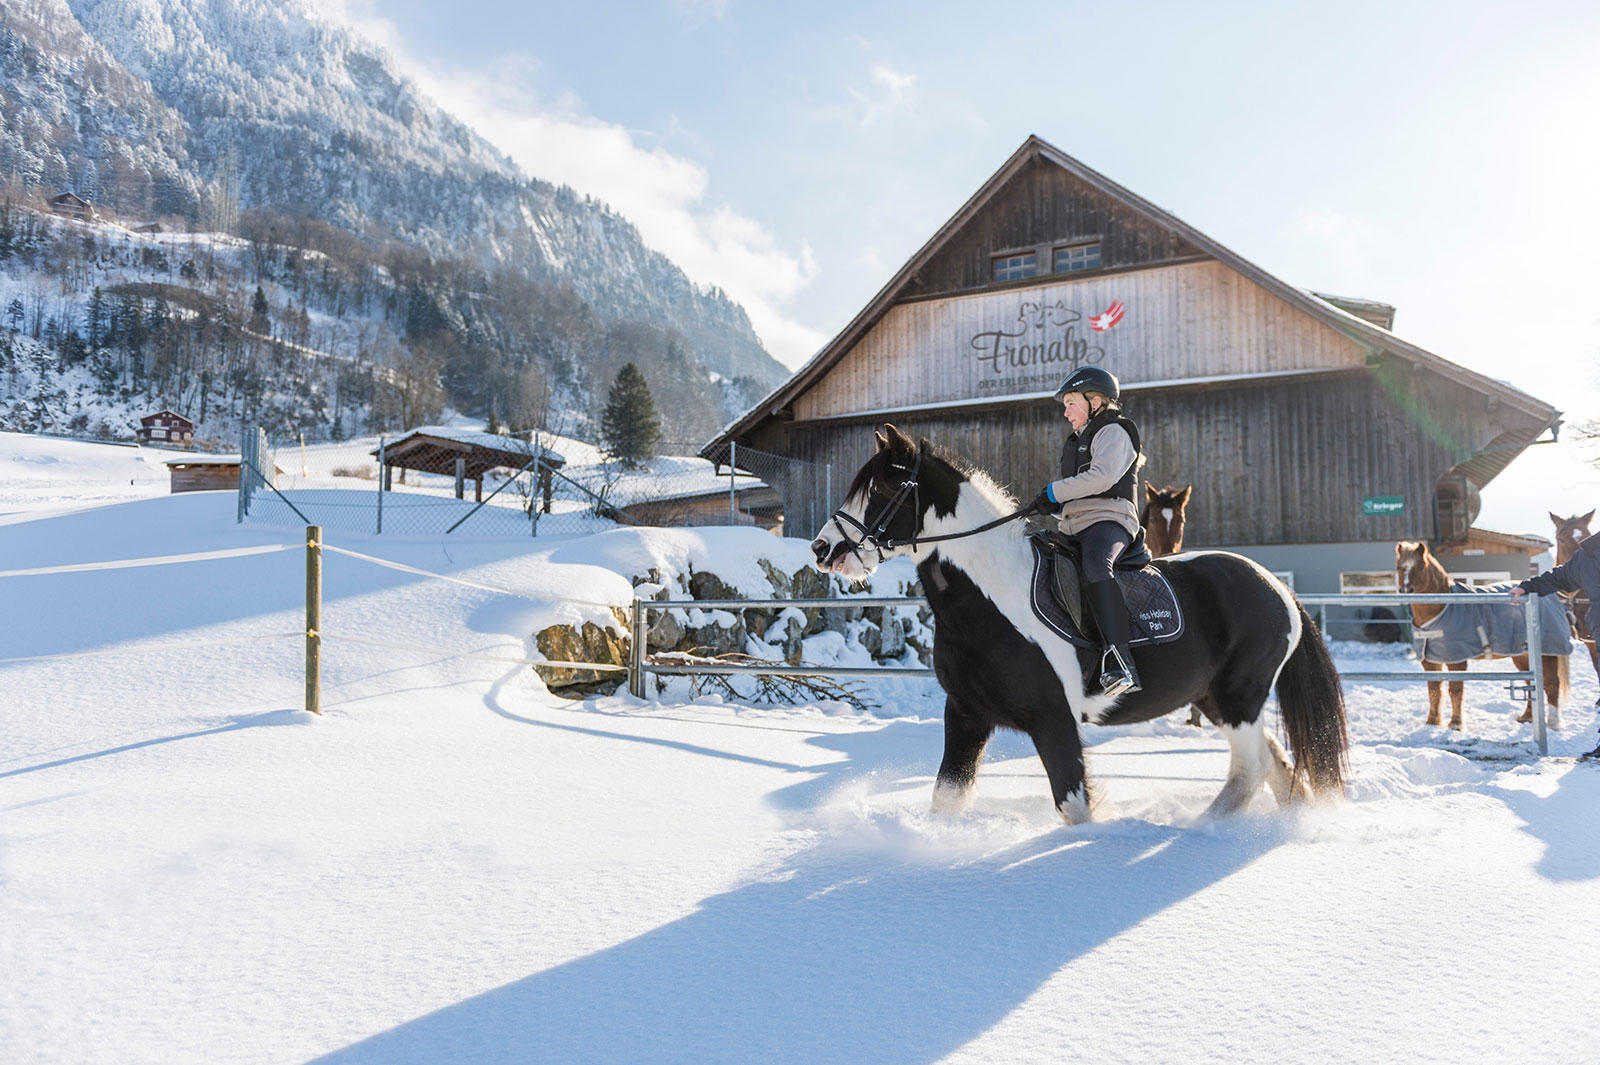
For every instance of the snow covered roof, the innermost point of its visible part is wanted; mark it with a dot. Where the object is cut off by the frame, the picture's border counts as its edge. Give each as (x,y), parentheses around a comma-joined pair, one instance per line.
(509,446)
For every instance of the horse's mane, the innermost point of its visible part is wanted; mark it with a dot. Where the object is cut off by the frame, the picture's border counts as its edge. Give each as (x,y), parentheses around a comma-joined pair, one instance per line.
(962,466)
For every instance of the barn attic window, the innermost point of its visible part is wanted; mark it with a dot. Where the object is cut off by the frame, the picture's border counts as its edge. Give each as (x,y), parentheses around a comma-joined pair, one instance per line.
(1075,257)
(1016,267)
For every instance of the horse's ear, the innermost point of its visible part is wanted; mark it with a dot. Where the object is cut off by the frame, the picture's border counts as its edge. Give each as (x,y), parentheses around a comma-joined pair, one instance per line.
(1586,519)
(1150,492)
(1183,496)
(881,439)
(1559,521)
(901,446)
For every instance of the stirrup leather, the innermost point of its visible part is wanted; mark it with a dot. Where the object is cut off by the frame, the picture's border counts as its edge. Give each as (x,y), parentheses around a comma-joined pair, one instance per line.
(1117,677)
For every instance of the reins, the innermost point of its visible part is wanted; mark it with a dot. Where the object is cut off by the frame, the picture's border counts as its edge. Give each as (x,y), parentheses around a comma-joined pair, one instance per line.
(874,535)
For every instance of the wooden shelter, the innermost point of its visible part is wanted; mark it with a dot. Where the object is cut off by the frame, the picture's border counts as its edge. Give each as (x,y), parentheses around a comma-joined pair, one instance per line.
(166,428)
(1301,419)
(465,455)
(756,504)
(209,473)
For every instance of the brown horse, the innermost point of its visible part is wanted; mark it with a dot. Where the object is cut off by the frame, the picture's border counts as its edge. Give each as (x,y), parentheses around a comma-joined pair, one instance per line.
(1163,533)
(1163,518)
(1570,532)
(1418,571)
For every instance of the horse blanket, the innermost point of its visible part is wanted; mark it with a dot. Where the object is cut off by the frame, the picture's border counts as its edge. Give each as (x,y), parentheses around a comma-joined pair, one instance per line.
(1057,599)
(1472,630)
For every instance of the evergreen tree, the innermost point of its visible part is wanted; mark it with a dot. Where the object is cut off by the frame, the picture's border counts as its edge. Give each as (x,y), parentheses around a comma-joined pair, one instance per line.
(259,322)
(628,424)
(94,319)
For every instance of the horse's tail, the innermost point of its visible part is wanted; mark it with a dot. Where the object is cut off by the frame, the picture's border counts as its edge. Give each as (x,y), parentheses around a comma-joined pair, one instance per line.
(1311,702)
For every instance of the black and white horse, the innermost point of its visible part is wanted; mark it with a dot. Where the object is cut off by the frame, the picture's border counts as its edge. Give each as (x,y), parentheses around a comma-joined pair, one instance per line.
(1001,667)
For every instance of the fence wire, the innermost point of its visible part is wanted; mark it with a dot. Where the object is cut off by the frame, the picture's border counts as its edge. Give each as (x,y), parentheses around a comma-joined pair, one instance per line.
(799,492)
(440,481)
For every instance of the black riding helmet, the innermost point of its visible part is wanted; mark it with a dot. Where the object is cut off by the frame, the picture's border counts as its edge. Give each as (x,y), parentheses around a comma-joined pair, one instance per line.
(1088,379)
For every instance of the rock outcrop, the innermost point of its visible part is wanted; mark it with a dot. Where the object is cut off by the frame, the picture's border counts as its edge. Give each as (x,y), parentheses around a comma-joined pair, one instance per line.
(886,633)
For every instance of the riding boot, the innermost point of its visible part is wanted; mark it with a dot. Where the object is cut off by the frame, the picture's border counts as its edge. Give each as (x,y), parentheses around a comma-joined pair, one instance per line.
(1117,672)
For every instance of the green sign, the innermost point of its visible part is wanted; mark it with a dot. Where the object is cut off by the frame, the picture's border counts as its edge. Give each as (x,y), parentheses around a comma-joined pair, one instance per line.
(1383,505)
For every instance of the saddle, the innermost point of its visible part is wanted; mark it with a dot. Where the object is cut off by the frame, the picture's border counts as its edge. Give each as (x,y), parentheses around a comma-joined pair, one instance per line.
(1057,592)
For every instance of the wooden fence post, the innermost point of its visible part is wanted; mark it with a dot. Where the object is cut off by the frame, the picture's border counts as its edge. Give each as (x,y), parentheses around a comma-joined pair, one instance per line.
(314,619)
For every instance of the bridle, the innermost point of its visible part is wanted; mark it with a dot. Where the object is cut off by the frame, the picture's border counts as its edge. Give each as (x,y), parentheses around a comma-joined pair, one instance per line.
(874,531)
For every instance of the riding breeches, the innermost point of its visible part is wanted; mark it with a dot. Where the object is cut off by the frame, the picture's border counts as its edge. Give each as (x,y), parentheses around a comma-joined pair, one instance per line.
(1102,544)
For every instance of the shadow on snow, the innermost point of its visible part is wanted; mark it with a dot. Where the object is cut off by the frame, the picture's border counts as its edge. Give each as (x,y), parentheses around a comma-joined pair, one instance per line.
(847,954)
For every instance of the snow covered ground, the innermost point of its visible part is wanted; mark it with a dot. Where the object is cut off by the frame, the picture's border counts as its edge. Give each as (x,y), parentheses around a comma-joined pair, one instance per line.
(454,865)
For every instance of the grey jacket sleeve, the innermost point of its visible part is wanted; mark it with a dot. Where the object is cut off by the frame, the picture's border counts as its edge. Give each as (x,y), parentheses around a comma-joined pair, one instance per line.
(1110,456)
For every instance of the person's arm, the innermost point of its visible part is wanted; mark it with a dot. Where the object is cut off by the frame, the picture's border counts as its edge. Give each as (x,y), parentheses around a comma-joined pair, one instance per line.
(1109,458)
(1563,578)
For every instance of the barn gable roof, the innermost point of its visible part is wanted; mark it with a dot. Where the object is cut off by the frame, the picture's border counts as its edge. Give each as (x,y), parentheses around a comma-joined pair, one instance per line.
(1374,338)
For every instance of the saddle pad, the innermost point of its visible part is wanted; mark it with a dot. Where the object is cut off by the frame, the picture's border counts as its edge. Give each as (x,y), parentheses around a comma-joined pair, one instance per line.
(1151,602)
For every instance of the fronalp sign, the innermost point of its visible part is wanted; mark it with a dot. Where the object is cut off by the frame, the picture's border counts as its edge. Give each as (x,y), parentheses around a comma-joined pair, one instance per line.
(1035,351)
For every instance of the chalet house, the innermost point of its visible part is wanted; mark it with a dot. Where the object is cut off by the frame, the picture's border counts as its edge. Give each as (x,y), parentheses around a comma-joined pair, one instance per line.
(69,206)
(167,429)
(1314,436)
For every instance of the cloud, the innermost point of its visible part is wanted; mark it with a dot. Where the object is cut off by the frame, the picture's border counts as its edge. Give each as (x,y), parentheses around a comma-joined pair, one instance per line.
(662,194)
(888,91)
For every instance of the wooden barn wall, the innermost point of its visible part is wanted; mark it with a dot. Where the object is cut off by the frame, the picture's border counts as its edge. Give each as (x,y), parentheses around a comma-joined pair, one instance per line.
(1044,204)
(1190,320)
(1271,462)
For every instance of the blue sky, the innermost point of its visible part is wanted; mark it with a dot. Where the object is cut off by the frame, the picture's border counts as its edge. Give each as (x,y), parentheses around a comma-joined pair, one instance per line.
(1440,157)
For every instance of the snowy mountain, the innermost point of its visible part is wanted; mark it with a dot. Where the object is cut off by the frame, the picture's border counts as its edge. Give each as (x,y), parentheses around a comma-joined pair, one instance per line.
(210,111)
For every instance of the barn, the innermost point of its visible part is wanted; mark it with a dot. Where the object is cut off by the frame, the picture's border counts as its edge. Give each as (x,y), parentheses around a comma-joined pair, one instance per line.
(1314,436)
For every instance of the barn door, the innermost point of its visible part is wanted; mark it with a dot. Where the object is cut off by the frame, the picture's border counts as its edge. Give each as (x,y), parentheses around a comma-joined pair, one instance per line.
(1456,504)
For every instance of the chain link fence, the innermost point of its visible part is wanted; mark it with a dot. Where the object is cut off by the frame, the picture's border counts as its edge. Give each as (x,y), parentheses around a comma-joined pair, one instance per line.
(439,481)
(803,490)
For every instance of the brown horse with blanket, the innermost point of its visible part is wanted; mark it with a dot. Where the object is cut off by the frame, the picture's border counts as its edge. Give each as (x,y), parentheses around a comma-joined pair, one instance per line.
(1448,635)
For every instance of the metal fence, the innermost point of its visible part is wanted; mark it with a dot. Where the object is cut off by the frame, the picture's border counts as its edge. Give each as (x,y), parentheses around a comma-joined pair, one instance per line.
(1532,677)
(804,489)
(545,485)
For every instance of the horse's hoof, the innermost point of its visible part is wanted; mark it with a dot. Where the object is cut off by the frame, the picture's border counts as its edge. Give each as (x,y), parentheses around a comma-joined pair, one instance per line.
(950,800)
(1074,809)
(1526,718)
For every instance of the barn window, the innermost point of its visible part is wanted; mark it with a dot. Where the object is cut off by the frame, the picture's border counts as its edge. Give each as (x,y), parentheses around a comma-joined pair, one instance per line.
(1076,257)
(1480,580)
(1379,580)
(1015,267)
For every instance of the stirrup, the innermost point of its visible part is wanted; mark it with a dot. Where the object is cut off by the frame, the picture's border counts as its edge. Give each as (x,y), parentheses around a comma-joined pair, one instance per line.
(1119,678)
